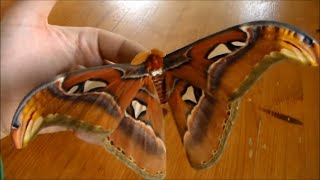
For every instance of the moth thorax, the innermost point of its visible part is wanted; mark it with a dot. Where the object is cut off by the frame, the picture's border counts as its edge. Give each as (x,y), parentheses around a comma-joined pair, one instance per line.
(156,72)
(159,84)
(154,65)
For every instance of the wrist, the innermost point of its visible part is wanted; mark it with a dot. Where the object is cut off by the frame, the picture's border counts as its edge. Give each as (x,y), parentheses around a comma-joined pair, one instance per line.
(28,12)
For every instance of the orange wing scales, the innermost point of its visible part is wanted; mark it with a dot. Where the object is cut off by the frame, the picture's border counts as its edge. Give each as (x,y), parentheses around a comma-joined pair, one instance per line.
(138,147)
(225,65)
(119,105)
(48,104)
(101,112)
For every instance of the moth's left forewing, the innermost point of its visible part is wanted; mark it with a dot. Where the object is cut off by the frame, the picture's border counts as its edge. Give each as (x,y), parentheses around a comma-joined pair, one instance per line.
(224,66)
(192,62)
(267,44)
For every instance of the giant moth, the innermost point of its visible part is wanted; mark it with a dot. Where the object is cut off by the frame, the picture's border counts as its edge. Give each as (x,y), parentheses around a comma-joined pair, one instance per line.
(202,82)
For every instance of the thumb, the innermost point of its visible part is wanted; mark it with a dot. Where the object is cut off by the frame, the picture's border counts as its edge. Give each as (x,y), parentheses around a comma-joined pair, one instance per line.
(95,46)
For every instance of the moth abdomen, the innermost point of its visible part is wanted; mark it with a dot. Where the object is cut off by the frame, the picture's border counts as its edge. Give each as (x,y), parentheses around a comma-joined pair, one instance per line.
(159,84)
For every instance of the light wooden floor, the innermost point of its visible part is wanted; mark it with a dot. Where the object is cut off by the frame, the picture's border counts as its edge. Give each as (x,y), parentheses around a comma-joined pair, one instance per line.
(260,146)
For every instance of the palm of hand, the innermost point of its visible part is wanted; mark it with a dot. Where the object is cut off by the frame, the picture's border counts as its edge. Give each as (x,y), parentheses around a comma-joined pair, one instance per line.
(33,52)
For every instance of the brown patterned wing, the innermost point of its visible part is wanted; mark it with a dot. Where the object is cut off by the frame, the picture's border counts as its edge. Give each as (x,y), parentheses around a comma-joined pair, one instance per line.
(138,140)
(105,104)
(206,79)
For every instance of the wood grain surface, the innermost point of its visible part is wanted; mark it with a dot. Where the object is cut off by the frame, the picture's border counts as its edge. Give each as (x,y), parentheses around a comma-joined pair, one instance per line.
(260,146)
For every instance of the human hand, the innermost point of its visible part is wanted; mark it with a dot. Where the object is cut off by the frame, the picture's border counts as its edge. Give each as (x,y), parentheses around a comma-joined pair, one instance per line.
(33,52)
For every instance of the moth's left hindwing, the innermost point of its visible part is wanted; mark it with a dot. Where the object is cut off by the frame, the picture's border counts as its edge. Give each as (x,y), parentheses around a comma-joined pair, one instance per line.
(206,79)
(116,105)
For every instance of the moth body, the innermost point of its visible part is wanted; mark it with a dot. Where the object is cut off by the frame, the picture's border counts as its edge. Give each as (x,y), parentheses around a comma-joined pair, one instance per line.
(160,87)
(154,64)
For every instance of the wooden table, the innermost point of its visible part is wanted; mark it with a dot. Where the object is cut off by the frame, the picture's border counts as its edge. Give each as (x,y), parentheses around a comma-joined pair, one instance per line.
(259,147)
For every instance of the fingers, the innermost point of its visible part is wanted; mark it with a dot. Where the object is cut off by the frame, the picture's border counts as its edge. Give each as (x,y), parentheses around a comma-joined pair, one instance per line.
(89,139)
(30,12)
(84,136)
(53,129)
(117,48)
(94,47)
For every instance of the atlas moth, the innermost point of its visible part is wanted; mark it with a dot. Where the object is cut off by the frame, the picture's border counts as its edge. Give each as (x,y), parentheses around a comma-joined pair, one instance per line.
(202,82)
